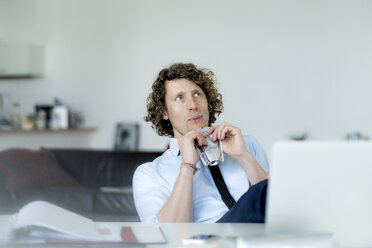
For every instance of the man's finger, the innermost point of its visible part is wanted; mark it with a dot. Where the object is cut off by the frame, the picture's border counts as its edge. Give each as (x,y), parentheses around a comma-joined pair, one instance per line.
(201,140)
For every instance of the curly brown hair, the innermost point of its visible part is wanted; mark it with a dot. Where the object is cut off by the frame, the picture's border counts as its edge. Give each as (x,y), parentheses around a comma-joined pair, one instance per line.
(203,77)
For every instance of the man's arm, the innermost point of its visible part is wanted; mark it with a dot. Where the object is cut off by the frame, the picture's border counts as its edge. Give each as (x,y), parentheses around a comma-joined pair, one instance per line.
(234,145)
(250,166)
(179,206)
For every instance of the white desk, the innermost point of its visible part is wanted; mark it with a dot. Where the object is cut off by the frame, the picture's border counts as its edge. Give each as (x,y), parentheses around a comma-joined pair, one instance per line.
(229,232)
(176,232)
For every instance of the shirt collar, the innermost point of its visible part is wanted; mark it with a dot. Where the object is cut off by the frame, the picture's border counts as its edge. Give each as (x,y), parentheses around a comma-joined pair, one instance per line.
(173,146)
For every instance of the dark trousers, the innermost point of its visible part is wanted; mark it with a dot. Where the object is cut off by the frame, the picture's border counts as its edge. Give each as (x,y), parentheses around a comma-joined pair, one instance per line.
(250,208)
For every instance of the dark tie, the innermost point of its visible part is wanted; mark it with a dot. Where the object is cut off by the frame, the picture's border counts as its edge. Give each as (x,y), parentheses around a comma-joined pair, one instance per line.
(221,186)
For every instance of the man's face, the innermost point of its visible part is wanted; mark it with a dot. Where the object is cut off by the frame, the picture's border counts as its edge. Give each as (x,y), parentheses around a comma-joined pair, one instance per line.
(185,104)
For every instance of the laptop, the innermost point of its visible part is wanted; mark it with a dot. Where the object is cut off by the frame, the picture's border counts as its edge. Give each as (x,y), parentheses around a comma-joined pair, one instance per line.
(322,187)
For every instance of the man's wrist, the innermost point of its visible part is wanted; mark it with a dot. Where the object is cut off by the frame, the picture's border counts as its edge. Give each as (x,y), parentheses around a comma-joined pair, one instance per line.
(245,157)
(190,166)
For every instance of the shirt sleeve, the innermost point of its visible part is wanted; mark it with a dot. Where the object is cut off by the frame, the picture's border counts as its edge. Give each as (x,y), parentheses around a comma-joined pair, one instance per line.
(148,192)
(258,152)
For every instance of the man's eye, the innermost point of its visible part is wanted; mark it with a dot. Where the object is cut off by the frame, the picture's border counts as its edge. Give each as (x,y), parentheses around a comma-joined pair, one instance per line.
(178,98)
(197,94)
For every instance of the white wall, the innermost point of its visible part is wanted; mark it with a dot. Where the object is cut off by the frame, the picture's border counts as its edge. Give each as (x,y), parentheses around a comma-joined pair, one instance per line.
(283,67)
(3,19)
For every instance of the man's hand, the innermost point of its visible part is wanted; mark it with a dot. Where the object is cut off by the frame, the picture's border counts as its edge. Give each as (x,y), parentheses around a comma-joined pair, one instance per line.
(231,137)
(187,148)
(234,145)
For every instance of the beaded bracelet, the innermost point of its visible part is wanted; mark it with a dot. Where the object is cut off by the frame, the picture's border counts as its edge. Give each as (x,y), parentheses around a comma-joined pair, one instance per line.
(191,166)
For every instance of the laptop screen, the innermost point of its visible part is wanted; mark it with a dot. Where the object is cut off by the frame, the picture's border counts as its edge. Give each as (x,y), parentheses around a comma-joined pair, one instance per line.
(322,187)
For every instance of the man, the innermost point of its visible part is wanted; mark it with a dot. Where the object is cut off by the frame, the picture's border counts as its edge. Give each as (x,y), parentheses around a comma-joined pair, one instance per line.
(176,187)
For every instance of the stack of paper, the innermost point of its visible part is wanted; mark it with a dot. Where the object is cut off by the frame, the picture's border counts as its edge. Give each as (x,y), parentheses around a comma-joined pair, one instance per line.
(50,223)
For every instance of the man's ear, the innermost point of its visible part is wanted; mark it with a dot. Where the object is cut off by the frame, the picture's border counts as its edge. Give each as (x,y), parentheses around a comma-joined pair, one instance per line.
(165,115)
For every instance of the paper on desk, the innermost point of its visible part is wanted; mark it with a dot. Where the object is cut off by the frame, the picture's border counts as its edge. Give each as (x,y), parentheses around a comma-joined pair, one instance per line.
(52,223)
(38,217)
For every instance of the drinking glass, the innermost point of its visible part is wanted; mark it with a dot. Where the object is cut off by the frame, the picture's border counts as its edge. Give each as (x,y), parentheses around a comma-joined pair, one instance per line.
(213,153)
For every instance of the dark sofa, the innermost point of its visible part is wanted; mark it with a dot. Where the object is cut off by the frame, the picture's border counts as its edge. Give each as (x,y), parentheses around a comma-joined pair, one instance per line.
(93,183)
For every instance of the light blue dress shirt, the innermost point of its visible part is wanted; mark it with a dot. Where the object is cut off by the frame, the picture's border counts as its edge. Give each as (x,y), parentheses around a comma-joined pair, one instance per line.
(153,183)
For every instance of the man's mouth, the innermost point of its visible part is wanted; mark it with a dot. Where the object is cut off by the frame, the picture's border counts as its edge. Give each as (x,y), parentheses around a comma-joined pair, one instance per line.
(195,118)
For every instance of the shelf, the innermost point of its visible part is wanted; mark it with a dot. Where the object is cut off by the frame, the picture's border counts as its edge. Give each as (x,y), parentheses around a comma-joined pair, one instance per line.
(70,130)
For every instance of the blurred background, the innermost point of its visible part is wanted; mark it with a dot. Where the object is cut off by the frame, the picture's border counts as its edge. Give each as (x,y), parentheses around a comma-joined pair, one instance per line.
(286,69)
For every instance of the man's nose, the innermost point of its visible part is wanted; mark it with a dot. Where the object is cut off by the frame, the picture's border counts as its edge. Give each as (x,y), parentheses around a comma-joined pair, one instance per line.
(191,104)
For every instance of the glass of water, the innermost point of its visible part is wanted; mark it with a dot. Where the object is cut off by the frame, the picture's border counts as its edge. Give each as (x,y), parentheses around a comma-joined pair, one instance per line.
(213,153)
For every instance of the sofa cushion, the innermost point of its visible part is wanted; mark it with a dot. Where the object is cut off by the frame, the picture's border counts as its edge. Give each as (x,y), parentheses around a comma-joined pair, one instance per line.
(87,201)
(96,168)
(7,203)
(120,203)
(76,199)
(29,168)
